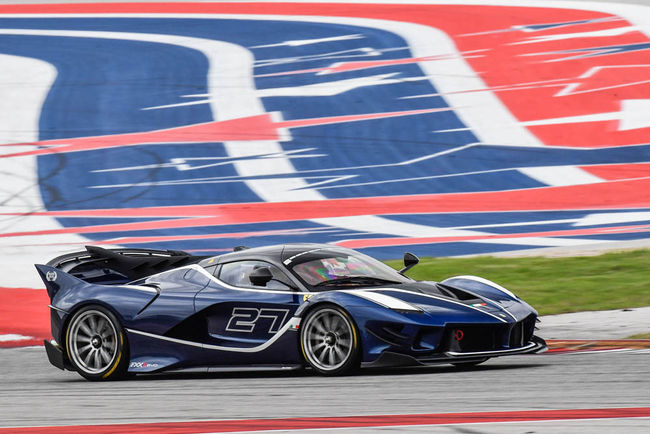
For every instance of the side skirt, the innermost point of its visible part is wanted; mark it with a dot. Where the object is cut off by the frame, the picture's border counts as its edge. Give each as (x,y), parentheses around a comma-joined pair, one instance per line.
(216,369)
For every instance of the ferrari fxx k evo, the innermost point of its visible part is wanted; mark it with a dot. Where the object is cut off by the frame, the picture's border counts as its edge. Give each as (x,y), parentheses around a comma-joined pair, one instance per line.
(132,311)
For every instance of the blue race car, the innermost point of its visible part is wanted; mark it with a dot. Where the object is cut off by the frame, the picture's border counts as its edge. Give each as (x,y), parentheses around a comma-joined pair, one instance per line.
(124,311)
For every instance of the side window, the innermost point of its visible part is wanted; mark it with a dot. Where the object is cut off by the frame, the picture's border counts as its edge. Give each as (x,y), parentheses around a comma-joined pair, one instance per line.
(211,269)
(237,274)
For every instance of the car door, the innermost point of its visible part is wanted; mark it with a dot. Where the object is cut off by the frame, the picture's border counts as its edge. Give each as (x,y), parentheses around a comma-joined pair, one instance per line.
(248,323)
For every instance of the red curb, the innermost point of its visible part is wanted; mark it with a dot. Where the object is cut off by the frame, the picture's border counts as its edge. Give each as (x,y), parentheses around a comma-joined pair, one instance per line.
(220,426)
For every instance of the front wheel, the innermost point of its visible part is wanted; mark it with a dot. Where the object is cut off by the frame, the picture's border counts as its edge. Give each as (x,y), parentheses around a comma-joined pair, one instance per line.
(329,341)
(96,344)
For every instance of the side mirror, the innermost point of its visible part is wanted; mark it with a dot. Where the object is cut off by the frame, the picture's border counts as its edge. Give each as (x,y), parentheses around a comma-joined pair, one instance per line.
(410,261)
(260,276)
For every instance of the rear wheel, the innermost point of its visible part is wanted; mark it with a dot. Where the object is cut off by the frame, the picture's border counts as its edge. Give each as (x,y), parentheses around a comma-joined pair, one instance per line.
(329,341)
(96,344)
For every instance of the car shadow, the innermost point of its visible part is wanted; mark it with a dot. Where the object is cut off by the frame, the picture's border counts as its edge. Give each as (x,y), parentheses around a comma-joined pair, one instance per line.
(302,373)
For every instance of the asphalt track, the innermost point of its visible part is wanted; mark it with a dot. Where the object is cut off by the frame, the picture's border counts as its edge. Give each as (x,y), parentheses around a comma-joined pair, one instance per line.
(37,394)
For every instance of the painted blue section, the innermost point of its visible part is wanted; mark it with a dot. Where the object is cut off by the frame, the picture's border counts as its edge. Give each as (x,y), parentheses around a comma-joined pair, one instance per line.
(103,86)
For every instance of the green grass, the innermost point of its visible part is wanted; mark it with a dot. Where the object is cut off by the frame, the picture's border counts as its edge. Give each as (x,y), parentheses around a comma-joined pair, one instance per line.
(640,336)
(555,285)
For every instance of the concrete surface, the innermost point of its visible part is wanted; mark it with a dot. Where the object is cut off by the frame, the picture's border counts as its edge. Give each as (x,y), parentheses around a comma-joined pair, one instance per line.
(607,324)
(35,393)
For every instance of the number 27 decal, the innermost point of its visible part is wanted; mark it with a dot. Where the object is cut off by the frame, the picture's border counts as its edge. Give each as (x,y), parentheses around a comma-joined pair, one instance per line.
(243,319)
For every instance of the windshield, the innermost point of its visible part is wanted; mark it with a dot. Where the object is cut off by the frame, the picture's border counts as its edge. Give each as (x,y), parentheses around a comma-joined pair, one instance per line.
(334,269)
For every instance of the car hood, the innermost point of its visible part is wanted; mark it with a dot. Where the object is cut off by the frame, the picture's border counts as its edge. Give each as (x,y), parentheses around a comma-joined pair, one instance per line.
(431,298)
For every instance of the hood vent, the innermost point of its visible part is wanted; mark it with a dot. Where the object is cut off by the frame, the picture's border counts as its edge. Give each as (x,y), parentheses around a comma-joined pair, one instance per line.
(458,294)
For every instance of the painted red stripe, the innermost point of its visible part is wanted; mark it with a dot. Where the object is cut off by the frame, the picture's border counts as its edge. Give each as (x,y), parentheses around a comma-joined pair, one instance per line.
(377,242)
(619,171)
(235,235)
(119,227)
(609,195)
(24,311)
(346,422)
(297,123)
(258,127)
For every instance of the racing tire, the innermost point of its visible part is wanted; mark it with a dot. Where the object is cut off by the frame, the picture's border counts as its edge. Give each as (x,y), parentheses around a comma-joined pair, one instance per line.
(469,365)
(329,340)
(96,344)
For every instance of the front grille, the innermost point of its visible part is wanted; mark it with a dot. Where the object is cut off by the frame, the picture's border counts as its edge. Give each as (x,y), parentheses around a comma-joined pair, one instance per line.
(522,332)
(474,337)
(467,338)
(517,335)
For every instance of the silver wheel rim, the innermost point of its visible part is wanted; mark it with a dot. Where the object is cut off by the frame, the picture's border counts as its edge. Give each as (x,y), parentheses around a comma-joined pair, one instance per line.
(92,341)
(327,339)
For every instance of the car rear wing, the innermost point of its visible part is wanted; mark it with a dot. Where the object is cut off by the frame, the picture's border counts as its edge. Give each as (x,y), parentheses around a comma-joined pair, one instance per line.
(119,266)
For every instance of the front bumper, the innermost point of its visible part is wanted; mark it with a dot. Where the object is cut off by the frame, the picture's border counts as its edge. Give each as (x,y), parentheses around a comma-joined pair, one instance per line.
(535,346)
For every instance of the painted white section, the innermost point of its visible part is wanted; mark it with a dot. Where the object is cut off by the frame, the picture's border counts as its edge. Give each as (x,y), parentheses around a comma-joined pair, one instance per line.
(635,114)
(574,88)
(14,337)
(301,42)
(24,85)
(361,52)
(560,175)
(523,223)
(540,241)
(613,218)
(384,300)
(616,31)
(379,225)
(195,163)
(330,88)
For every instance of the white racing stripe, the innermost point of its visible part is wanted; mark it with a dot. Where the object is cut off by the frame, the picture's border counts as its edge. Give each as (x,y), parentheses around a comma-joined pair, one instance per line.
(485,282)
(458,303)
(383,300)
(292,324)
